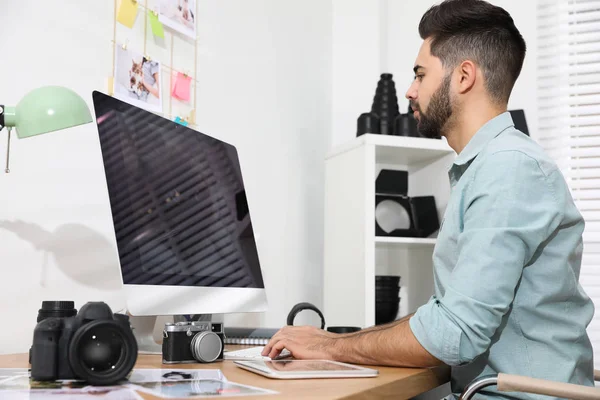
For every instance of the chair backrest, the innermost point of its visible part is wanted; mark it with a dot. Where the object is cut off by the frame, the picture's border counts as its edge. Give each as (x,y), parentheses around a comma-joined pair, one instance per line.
(518,383)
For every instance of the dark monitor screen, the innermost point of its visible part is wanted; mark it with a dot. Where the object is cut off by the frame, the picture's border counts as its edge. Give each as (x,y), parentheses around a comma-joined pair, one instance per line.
(177,200)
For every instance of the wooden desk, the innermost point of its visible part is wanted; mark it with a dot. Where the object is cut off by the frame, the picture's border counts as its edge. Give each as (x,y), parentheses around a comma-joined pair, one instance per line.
(397,383)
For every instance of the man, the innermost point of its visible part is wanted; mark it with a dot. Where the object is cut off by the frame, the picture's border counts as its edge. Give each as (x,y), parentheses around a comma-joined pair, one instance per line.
(508,255)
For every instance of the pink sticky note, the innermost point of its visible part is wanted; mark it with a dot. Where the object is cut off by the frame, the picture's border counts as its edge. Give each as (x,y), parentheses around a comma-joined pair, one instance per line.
(173,84)
(181,87)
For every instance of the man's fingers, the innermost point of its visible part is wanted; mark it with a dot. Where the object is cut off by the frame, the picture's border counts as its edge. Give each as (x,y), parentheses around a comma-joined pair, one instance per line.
(276,349)
(267,348)
(270,344)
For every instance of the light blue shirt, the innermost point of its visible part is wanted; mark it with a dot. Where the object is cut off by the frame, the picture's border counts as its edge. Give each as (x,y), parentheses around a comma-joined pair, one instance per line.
(506,268)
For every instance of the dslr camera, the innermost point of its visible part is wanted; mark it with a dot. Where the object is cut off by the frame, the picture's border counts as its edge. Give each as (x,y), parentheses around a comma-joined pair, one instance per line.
(93,345)
(192,341)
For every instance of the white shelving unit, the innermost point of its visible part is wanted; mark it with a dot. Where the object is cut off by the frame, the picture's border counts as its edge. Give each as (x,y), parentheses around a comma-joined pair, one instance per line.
(403,242)
(353,255)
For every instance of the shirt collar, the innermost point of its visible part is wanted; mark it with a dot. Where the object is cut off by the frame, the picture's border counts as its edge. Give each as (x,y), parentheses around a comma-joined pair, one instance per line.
(482,137)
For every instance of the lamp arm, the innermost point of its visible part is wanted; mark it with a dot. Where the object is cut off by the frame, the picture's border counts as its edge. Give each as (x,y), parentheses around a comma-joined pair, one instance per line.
(7,118)
(7,169)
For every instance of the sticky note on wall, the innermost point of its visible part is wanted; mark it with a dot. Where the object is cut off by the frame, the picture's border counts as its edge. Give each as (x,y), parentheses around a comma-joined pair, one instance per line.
(156,25)
(181,121)
(181,87)
(127,12)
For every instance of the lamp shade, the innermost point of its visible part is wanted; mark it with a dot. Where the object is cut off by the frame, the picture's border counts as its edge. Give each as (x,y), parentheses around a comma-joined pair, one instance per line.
(47,109)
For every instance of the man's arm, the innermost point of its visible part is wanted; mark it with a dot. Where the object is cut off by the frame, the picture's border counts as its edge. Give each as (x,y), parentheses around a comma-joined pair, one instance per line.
(378,327)
(393,344)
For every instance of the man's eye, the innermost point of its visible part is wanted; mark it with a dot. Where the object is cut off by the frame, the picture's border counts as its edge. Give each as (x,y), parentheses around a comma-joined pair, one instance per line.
(419,77)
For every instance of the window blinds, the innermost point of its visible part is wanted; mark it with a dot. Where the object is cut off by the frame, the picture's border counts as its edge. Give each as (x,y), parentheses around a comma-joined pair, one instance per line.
(569,119)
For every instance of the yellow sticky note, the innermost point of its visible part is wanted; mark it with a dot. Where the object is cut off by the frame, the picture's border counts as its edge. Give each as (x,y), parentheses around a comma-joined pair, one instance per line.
(127,12)
(157,26)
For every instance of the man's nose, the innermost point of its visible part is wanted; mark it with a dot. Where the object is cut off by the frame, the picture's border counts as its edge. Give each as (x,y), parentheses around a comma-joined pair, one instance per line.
(411,93)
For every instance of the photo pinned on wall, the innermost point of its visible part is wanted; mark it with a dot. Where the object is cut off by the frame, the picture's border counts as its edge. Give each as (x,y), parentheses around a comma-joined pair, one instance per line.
(137,79)
(179,15)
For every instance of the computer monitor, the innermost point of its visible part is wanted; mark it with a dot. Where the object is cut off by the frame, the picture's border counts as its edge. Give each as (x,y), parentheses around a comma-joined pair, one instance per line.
(181,219)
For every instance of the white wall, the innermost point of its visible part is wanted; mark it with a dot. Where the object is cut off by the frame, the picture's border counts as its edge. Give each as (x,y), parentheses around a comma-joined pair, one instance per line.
(371,37)
(264,70)
(357,54)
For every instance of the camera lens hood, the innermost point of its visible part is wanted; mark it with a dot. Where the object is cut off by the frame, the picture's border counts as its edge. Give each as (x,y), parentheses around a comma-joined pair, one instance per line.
(102,352)
(57,309)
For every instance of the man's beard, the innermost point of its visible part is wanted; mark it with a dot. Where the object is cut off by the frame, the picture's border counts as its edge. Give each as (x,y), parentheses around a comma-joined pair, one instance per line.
(439,112)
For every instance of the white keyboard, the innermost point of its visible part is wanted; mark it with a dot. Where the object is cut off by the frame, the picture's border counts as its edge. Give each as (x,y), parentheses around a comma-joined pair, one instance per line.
(252,353)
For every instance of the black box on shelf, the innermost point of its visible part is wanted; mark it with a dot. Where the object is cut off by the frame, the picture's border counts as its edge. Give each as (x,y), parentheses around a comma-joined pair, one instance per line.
(399,215)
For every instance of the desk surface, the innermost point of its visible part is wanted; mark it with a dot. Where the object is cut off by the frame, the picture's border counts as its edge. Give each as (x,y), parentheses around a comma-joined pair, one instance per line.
(399,383)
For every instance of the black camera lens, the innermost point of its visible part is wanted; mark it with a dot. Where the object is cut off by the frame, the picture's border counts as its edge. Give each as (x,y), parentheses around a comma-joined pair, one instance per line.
(103,352)
(58,309)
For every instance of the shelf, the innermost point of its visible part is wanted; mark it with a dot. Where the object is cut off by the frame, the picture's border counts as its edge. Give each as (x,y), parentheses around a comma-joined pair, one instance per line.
(403,242)
(398,149)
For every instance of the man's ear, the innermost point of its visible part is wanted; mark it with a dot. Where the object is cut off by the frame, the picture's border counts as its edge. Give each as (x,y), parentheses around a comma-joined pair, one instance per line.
(467,75)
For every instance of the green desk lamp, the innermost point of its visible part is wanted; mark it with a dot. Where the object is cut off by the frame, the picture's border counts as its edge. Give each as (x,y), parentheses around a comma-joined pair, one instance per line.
(45,109)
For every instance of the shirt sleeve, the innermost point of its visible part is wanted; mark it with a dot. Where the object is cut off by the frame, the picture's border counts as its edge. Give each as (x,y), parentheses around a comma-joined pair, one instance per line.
(510,209)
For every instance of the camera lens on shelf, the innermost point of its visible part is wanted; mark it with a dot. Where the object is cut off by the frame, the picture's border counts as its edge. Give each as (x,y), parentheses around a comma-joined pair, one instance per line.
(103,352)
(57,309)
(206,346)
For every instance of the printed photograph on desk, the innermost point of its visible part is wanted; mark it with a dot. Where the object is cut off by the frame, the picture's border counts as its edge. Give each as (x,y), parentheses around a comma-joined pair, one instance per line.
(201,388)
(23,388)
(179,15)
(99,394)
(174,375)
(137,79)
(6,373)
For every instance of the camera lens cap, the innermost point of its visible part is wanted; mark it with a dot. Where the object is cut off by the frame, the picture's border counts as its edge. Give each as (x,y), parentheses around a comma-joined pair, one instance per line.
(206,346)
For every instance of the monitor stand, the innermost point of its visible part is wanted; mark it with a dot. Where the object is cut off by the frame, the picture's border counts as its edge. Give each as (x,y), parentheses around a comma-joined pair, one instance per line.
(143,330)
(145,326)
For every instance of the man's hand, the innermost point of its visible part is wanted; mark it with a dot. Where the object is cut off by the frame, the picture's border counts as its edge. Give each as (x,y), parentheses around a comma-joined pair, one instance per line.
(304,342)
(392,344)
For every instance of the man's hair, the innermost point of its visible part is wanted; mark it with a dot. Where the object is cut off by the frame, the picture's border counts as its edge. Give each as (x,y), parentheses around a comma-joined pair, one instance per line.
(481,32)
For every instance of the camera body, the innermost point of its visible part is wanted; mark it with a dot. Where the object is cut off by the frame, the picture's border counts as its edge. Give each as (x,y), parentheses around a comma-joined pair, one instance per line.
(94,345)
(192,341)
